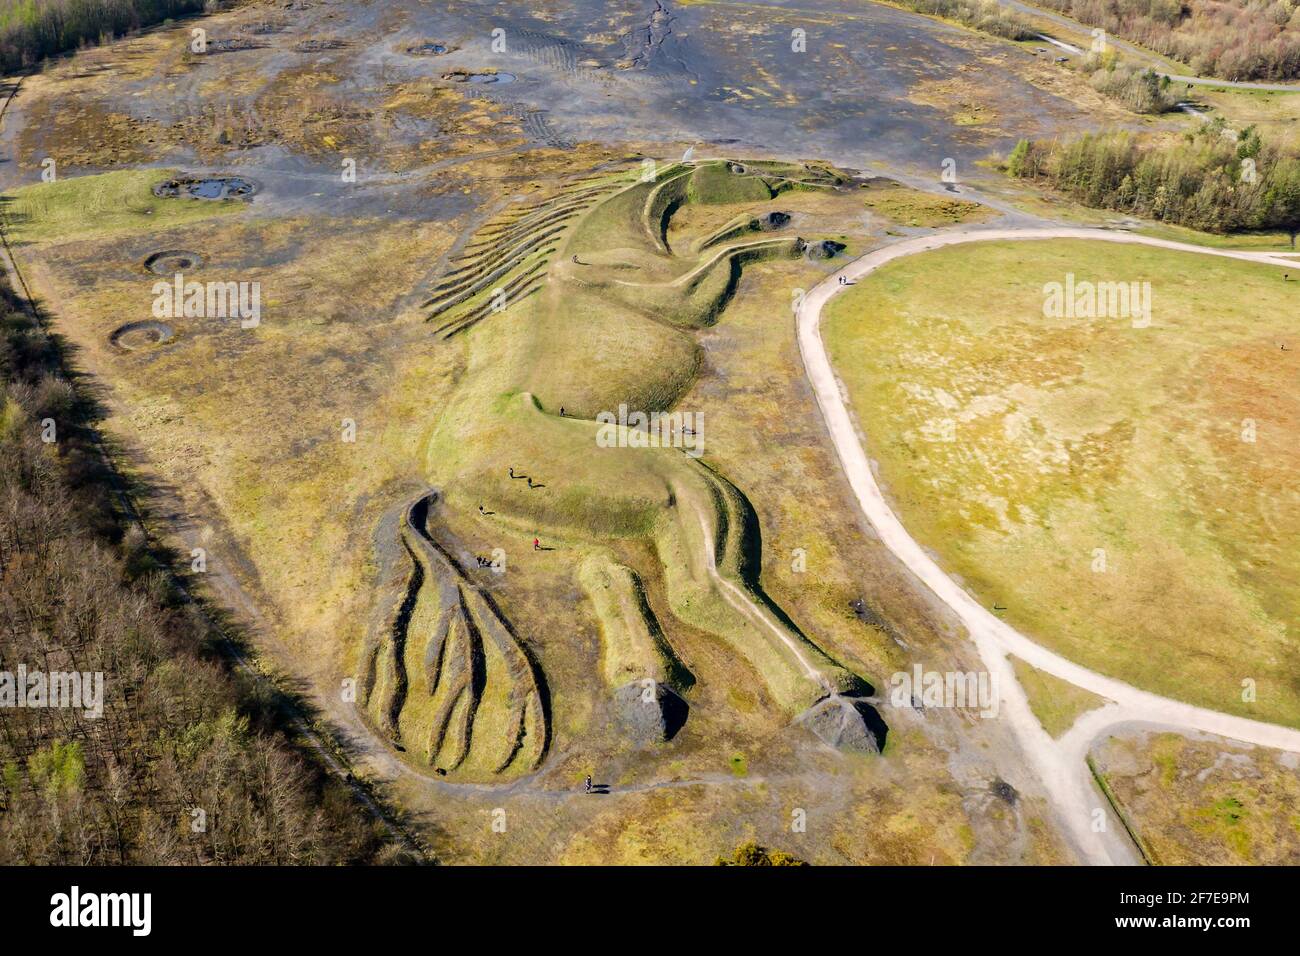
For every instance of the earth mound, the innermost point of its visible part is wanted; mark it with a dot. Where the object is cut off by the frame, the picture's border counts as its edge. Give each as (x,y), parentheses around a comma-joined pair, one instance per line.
(649,712)
(845,724)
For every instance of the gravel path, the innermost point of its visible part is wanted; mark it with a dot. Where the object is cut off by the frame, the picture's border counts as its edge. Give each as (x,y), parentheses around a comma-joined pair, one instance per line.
(1059,764)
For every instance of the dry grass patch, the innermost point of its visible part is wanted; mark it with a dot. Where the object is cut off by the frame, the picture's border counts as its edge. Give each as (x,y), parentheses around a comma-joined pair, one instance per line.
(1127,493)
(1205,802)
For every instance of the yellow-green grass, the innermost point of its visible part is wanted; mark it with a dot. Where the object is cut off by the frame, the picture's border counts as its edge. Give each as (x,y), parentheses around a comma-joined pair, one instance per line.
(633,646)
(1276,115)
(107,204)
(252,446)
(1056,703)
(912,207)
(764,436)
(713,507)
(307,519)
(608,331)
(602,494)
(1204,802)
(1249,241)
(253,441)
(715,183)
(1097,484)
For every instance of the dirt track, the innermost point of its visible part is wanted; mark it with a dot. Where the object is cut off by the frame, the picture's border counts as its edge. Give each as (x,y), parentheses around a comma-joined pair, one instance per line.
(1059,764)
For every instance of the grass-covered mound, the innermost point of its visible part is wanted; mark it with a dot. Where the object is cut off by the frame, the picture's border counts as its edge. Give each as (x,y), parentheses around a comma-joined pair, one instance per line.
(723,183)
(611,325)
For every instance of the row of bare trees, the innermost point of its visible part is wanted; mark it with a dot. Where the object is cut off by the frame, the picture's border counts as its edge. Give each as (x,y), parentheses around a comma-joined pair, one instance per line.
(187,763)
(1232,39)
(31,30)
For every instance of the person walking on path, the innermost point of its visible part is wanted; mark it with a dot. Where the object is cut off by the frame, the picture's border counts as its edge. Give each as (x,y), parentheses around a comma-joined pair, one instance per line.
(537,544)
(588,783)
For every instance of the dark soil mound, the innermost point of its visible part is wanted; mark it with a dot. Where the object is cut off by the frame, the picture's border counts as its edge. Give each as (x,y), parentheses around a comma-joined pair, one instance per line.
(651,717)
(825,249)
(773,221)
(846,724)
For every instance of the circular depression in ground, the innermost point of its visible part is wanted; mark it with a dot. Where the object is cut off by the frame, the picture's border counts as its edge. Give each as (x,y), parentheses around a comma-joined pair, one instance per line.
(168,262)
(206,187)
(138,336)
(480,77)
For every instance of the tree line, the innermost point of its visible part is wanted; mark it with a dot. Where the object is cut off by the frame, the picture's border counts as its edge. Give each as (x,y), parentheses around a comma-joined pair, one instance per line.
(1209,180)
(986,15)
(31,30)
(1232,39)
(187,764)
(1137,89)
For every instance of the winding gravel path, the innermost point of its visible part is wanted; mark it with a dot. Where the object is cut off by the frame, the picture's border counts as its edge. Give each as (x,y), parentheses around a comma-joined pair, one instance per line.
(1059,764)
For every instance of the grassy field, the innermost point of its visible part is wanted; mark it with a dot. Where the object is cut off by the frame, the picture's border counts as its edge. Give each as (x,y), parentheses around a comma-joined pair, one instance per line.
(1056,703)
(911,207)
(1277,115)
(109,204)
(300,529)
(1129,494)
(1201,802)
(239,432)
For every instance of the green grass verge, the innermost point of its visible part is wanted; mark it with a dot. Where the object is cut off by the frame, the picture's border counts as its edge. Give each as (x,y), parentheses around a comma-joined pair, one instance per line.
(108,204)
(1056,703)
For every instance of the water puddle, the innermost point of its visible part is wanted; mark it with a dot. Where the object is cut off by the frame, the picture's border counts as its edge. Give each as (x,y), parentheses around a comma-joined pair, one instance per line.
(427,48)
(480,78)
(206,187)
